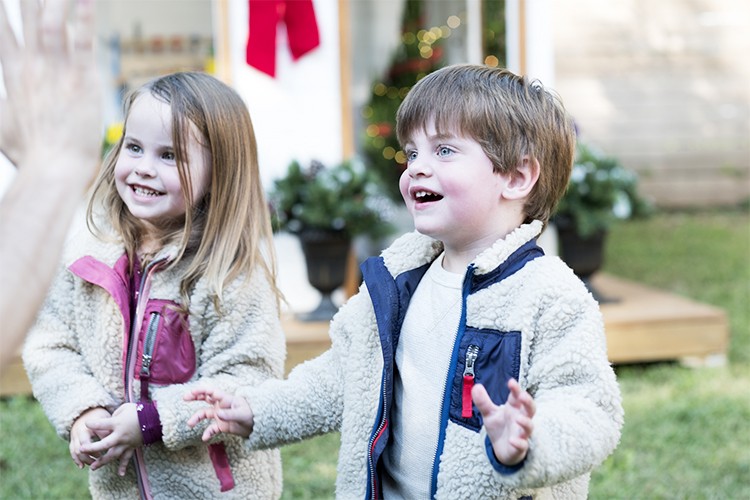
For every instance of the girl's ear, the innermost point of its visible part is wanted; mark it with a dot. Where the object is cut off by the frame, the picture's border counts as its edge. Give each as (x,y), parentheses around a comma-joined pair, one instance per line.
(522,181)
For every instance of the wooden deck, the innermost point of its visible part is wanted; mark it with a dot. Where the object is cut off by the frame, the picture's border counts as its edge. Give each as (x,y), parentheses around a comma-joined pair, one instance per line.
(642,324)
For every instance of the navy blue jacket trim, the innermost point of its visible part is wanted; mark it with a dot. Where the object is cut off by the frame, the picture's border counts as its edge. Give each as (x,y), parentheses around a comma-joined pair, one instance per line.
(496,464)
(446,389)
(390,299)
(527,252)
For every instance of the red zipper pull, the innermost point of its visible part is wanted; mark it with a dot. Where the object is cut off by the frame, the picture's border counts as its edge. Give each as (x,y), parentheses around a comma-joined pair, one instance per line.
(468,382)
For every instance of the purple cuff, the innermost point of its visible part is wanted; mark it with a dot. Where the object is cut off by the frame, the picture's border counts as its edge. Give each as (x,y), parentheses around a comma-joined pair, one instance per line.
(149,421)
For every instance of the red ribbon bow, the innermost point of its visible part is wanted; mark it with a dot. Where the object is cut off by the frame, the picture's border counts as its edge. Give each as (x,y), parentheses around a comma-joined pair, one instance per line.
(265,15)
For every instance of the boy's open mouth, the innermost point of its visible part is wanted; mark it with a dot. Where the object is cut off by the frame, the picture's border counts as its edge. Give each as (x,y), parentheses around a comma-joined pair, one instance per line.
(422,196)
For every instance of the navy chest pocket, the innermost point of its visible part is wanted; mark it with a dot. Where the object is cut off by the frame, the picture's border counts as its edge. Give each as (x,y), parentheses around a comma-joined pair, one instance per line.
(492,357)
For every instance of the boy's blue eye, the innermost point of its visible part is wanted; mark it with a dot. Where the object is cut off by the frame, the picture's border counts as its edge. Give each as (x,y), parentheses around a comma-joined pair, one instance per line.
(444,151)
(411,155)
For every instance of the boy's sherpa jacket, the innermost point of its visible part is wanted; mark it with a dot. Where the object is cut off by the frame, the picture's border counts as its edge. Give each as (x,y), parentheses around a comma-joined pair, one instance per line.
(531,318)
(76,353)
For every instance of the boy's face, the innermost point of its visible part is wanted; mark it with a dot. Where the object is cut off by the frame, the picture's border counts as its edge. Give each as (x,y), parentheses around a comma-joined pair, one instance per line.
(451,190)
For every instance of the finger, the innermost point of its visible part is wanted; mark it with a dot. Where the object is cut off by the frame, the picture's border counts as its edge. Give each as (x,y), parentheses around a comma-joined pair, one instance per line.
(514,387)
(99,447)
(8,41)
(514,398)
(528,406)
(102,426)
(200,415)
(74,447)
(82,459)
(195,395)
(29,17)
(482,400)
(53,37)
(213,395)
(526,427)
(83,33)
(211,431)
(124,460)
(103,460)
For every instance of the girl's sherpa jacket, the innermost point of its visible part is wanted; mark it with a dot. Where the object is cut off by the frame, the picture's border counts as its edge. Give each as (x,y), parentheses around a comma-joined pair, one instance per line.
(531,319)
(77,352)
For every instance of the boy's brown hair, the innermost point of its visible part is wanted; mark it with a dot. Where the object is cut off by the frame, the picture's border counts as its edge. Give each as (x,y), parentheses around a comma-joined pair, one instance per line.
(508,115)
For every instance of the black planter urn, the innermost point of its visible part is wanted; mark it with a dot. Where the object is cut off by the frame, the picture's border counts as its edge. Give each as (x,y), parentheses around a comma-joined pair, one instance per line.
(585,256)
(326,255)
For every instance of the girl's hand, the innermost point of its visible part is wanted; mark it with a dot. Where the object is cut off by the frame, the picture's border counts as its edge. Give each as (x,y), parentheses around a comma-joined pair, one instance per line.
(81,435)
(230,414)
(123,437)
(509,426)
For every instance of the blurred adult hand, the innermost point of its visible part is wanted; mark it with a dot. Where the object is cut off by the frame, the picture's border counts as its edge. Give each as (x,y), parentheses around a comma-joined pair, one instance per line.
(51,129)
(53,99)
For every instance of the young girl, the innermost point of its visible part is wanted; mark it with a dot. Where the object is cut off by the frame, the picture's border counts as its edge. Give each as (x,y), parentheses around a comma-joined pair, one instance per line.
(172,285)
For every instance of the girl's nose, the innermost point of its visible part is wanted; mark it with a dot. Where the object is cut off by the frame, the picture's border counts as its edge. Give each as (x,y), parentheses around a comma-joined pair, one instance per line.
(144,169)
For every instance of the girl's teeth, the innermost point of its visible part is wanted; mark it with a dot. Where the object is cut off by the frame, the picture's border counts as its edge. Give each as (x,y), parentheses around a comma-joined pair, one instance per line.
(145,192)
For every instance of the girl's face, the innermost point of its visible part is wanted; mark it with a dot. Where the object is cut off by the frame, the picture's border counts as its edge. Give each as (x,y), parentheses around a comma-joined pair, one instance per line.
(146,172)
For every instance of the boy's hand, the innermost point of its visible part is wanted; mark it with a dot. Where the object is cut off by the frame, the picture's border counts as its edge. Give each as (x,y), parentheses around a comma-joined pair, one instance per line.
(230,414)
(81,435)
(508,426)
(123,437)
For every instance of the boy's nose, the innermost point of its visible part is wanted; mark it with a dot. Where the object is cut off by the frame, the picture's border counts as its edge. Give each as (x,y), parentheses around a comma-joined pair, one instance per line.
(418,167)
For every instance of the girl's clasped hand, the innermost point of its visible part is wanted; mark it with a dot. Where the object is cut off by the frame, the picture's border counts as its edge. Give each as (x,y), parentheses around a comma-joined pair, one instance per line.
(118,437)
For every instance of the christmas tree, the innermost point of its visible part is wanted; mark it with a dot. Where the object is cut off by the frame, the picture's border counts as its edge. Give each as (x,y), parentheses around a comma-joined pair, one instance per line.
(420,53)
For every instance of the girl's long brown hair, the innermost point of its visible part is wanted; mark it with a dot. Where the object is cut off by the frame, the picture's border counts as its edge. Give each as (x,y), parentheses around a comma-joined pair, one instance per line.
(227,233)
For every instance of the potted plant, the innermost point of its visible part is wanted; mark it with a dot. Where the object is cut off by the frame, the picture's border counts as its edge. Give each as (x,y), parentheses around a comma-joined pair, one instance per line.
(600,193)
(326,208)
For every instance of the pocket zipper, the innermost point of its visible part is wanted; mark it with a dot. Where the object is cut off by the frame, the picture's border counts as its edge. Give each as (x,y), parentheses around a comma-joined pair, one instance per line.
(148,344)
(468,381)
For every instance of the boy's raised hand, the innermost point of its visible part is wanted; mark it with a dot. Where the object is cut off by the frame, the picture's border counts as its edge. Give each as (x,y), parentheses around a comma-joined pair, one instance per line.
(230,414)
(509,426)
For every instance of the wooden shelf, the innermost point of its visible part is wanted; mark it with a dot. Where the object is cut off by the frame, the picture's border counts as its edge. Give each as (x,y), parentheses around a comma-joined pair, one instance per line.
(643,324)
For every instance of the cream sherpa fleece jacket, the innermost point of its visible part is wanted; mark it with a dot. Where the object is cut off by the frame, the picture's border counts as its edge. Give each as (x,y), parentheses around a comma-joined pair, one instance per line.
(562,362)
(74,359)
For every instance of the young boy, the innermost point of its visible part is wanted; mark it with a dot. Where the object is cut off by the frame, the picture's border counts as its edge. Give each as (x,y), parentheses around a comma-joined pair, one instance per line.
(469,365)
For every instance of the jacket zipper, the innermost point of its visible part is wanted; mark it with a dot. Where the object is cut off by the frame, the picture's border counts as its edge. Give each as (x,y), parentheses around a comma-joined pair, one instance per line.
(373,439)
(140,464)
(468,380)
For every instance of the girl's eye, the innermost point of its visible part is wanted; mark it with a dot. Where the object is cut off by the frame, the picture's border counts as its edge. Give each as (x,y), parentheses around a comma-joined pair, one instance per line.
(133,148)
(444,151)
(168,155)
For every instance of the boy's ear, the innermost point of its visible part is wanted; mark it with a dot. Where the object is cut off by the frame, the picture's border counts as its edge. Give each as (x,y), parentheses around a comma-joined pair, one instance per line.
(523,180)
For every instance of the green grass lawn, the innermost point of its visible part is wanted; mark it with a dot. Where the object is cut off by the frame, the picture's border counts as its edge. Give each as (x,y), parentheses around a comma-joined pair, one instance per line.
(686,434)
